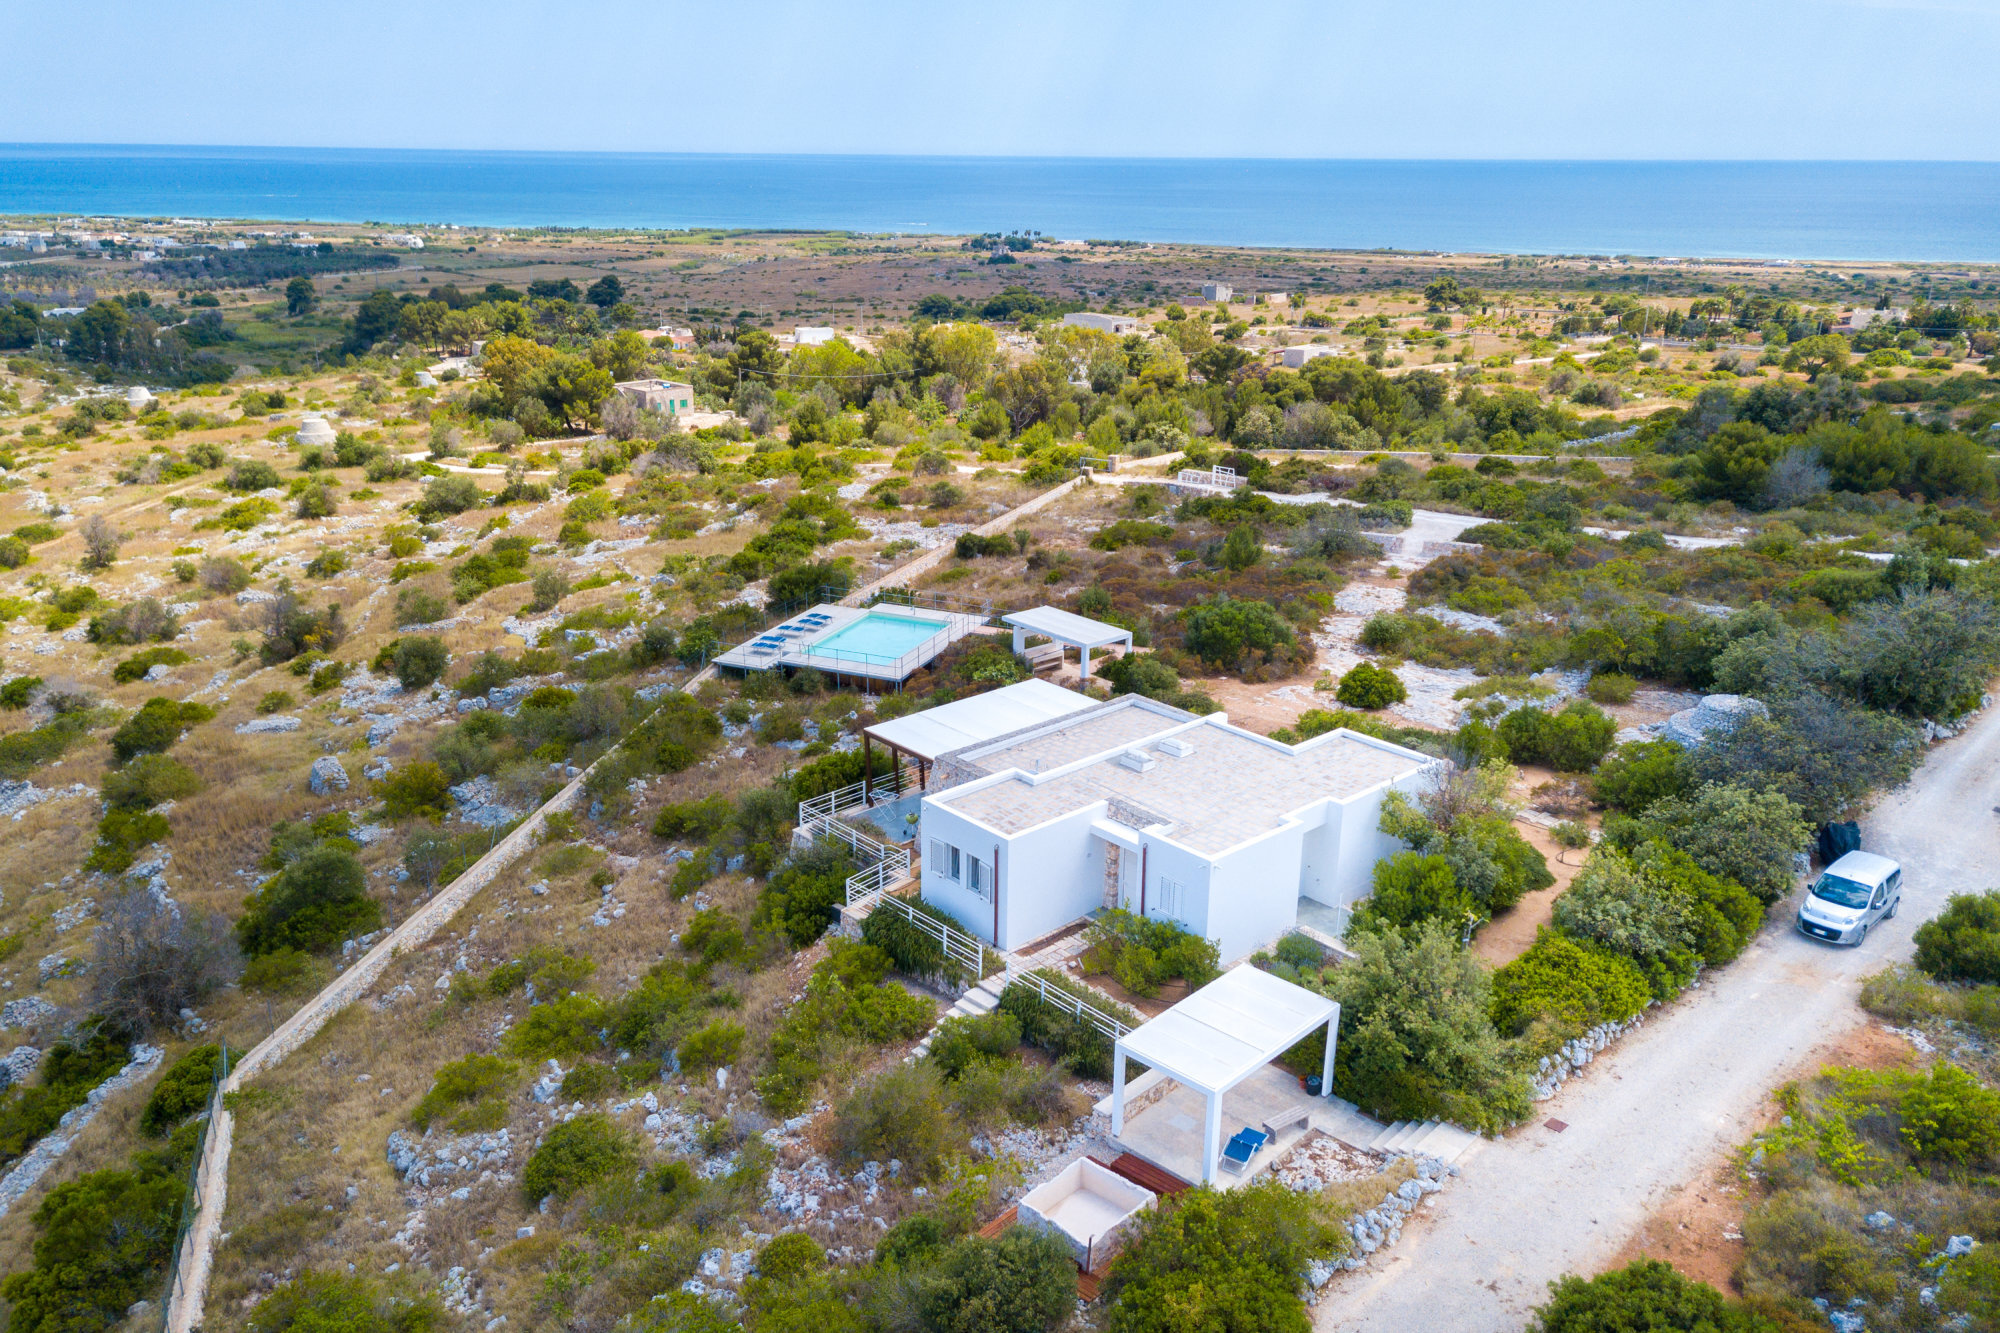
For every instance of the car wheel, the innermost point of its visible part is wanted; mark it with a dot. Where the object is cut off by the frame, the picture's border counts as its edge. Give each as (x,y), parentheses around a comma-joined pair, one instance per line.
(1894,907)
(1861,937)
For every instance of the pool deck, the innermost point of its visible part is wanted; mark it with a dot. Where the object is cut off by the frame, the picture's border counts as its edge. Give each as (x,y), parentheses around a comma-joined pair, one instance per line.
(791,643)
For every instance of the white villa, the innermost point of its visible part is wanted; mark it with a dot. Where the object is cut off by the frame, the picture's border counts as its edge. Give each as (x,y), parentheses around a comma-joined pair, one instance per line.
(1132,803)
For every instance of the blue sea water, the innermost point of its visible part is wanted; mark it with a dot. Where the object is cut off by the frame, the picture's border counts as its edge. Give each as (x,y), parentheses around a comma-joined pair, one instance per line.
(1768,210)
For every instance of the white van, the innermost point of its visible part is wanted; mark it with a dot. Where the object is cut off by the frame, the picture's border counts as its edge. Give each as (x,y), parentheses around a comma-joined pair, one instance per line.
(1851,895)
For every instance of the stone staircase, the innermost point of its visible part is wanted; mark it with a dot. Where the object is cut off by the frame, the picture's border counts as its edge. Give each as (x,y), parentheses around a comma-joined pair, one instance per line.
(981,999)
(1427,1138)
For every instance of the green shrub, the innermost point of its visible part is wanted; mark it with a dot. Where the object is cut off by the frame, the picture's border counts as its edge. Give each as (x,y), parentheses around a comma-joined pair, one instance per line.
(1416,1038)
(1230,634)
(1410,887)
(274,701)
(1611,687)
(1570,984)
(961,1043)
(575,1155)
(182,1090)
(1637,774)
(462,1088)
(102,1242)
(803,898)
(16,693)
(1370,686)
(311,905)
(1144,952)
(156,726)
(1638,916)
(1950,1117)
(846,1008)
(1962,943)
(563,1027)
(1646,1296)
(1077,1044)
(914,950)
(900,1113)
(121,834)
(149,780)
(419,660)
(316,1302)
(1020,1281)
(285,972)
(137,665)
(1569,741)
(1214,1259)
(718,1043)
(549,970)
(70,1069)
(1751,837)
(418,790)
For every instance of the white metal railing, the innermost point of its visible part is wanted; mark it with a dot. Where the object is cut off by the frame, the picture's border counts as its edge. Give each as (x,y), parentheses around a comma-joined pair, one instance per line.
(899,667)
(1070,1004)
(959,947)
(1220,478)
(884,864)
(854,796)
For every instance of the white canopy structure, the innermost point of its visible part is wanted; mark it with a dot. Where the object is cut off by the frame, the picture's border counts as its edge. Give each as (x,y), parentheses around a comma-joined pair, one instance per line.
(1221,1035)
(983,717)
(1066,627)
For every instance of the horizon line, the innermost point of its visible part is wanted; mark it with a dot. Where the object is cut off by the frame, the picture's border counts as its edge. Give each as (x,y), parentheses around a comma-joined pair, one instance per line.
(851,155)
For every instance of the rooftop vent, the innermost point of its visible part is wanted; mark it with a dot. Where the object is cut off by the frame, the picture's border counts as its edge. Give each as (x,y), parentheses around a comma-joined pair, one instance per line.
(1138,761)
(1175,746)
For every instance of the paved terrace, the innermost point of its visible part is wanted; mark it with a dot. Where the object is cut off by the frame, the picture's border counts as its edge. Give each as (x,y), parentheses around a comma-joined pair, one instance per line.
(1230,790)
(1047,746)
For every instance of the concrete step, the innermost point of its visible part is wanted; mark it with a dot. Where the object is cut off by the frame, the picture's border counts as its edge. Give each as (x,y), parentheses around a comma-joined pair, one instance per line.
(1380,1143)
(1438,1137)
(977,1002)
(1408,1132)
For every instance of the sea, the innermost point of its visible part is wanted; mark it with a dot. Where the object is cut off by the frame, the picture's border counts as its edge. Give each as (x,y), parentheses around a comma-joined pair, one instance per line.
(1914,211)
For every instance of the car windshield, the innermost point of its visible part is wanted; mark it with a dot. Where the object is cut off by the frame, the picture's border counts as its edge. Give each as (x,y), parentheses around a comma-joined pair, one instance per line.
(1845,892)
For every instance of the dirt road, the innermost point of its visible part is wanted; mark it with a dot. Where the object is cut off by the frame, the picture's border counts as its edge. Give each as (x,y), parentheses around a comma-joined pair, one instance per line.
(1648,1116)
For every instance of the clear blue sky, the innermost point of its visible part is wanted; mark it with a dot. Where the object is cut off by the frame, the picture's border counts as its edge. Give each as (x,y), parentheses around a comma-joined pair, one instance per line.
(1336,78)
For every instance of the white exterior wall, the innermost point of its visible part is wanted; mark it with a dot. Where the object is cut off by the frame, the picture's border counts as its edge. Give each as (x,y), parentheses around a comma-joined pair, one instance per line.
(1049,875)
(1361,842)
(953,897)
(1253,895)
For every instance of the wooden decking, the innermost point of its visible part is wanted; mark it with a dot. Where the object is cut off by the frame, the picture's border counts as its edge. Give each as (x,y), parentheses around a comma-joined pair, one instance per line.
(1000,1224)
(1142,1172)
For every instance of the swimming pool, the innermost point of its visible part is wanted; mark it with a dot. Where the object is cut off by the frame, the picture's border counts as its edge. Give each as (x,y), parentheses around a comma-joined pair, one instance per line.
(878,638)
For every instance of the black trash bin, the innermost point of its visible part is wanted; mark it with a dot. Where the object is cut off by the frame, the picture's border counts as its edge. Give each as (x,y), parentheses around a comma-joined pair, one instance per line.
(1837,840)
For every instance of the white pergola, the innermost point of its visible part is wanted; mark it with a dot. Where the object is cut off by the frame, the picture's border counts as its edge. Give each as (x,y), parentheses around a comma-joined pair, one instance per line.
(1066,627)
(1221,1035)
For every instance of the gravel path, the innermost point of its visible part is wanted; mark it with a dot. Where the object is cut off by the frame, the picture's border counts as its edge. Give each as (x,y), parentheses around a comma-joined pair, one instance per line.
(1657,1109)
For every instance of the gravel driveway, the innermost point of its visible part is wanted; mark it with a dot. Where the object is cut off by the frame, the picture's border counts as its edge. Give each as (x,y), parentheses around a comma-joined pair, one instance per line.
(1650,1114)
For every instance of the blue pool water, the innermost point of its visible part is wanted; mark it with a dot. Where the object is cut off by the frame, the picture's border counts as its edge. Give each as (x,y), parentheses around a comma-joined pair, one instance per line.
(878,637)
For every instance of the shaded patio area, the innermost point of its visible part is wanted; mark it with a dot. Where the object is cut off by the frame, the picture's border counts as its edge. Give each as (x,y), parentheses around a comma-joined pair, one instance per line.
(1207,1047)
(1168,1132)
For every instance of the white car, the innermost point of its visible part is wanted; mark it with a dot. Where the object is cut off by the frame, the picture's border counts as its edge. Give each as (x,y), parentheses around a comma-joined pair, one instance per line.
(1851,895)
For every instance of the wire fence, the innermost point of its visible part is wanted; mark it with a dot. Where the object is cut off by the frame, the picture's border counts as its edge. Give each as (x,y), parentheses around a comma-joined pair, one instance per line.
(191,1195)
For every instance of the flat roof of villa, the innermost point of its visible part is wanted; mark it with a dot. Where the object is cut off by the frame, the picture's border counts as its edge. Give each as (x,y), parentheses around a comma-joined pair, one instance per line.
(1233,787)
(1121,722)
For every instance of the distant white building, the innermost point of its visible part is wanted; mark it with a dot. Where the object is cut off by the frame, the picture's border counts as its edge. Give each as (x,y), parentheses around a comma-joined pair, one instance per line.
(1856,320)
(681,339)
(808,336)
(1216,291)
(1115,325)
(408,240)
(667,396)
(1276,298)
(1294,357)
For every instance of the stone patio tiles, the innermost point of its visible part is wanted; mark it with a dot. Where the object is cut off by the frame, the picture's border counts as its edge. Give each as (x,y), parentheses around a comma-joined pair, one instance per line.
(1119,723)
(1231,789)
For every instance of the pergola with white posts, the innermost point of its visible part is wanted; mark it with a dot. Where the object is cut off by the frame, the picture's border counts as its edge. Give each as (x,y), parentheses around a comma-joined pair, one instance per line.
(1066,627)
(1221,1035)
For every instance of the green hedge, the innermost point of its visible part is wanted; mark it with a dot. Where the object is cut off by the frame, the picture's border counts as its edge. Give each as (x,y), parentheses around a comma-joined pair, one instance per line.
(1075,1043)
